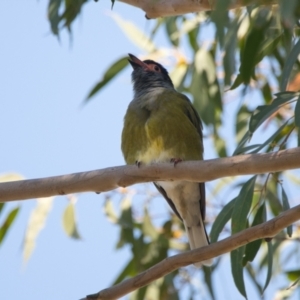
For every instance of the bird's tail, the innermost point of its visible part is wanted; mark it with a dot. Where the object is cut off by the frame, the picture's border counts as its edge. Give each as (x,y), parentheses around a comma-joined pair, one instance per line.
(198,238)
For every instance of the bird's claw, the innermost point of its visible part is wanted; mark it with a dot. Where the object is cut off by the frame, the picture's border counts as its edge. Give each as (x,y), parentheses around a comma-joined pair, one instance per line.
(175,161)
(138,163)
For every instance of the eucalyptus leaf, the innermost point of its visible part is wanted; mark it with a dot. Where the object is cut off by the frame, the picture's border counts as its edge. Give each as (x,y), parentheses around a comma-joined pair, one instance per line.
(270,265)
(36,223)
(253,247)
(223,217)
(69,221)
(286,206)
(8,222)
(109,74)
(288,66)
(297,119)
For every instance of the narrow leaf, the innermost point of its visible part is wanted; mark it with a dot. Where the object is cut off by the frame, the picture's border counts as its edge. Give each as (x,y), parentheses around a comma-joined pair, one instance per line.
(222,218)
(69,222)
(253,247)
(242,206)
(240,212)
(7,223)
(236,258)
(297,119)
(270,265)
(286,206)
(134,34)
(109,74)
(35,224)
(288,66)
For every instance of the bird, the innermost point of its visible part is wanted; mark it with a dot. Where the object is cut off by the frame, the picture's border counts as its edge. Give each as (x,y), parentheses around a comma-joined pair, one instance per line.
(161,125)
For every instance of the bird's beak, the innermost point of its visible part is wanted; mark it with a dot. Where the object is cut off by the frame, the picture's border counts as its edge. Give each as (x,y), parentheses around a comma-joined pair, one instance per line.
(136,63)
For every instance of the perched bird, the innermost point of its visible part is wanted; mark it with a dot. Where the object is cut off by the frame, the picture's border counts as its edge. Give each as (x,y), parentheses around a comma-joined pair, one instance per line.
(161,125)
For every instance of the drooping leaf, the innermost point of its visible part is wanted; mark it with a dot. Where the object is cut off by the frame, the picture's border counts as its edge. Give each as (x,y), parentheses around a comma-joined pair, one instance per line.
(171,28)
(109,74)
(134,34)
(8,222)
(221,220)
(242,206)
(53,15)
(297,119)
(263,112)
(289,63)
(205,88)
(240,212)
(270,265)
(253,247)
(257,147)
(236,258)
(286,206)
(69,221)
(253,44)
(35,224)
(126,224)
(109,211)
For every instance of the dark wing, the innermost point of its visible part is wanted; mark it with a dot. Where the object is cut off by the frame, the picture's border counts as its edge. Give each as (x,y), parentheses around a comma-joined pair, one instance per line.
(195,119)
(163,192)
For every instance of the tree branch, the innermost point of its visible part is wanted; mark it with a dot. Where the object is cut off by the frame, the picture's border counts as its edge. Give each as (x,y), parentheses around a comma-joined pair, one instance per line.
(114,177)
(170,264)
(165,8)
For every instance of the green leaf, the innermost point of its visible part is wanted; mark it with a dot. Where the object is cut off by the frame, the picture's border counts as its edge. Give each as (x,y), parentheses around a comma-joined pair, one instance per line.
(253,44)
(286,206)
(242,206)
(261,113)
(208,102)
(253,247)
(258,147)
(53,15)
(240,212)
(222,218)
(69,222)
(236,258)
(35,224)
(230,51)
(270,265)
(109,74)
(171,28)
(112,3)
(126,224)
(297,119)
(242,119)
(7,223)
(288,66)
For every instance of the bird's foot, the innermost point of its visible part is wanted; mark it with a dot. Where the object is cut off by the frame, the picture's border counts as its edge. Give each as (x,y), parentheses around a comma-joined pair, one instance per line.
(138,163)
(175,161)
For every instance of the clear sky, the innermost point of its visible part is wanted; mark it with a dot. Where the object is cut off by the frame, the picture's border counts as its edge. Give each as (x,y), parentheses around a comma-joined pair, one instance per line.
(45,132)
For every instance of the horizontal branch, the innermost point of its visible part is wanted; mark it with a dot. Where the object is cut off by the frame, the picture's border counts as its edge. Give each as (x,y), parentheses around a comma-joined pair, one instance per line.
(165,8)
(123,176)
(170,264)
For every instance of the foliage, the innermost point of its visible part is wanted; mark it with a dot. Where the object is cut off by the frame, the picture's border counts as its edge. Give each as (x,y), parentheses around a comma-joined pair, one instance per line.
(249,51)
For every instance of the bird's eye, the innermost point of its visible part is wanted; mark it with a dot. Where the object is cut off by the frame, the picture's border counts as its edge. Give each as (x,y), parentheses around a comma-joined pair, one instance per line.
(156,68)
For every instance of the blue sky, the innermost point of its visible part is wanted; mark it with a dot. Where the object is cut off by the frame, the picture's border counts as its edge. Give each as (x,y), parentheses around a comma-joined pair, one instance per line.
(45,131)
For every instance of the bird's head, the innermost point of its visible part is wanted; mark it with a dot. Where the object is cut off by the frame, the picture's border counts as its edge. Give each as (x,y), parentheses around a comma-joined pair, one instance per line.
(148,74)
